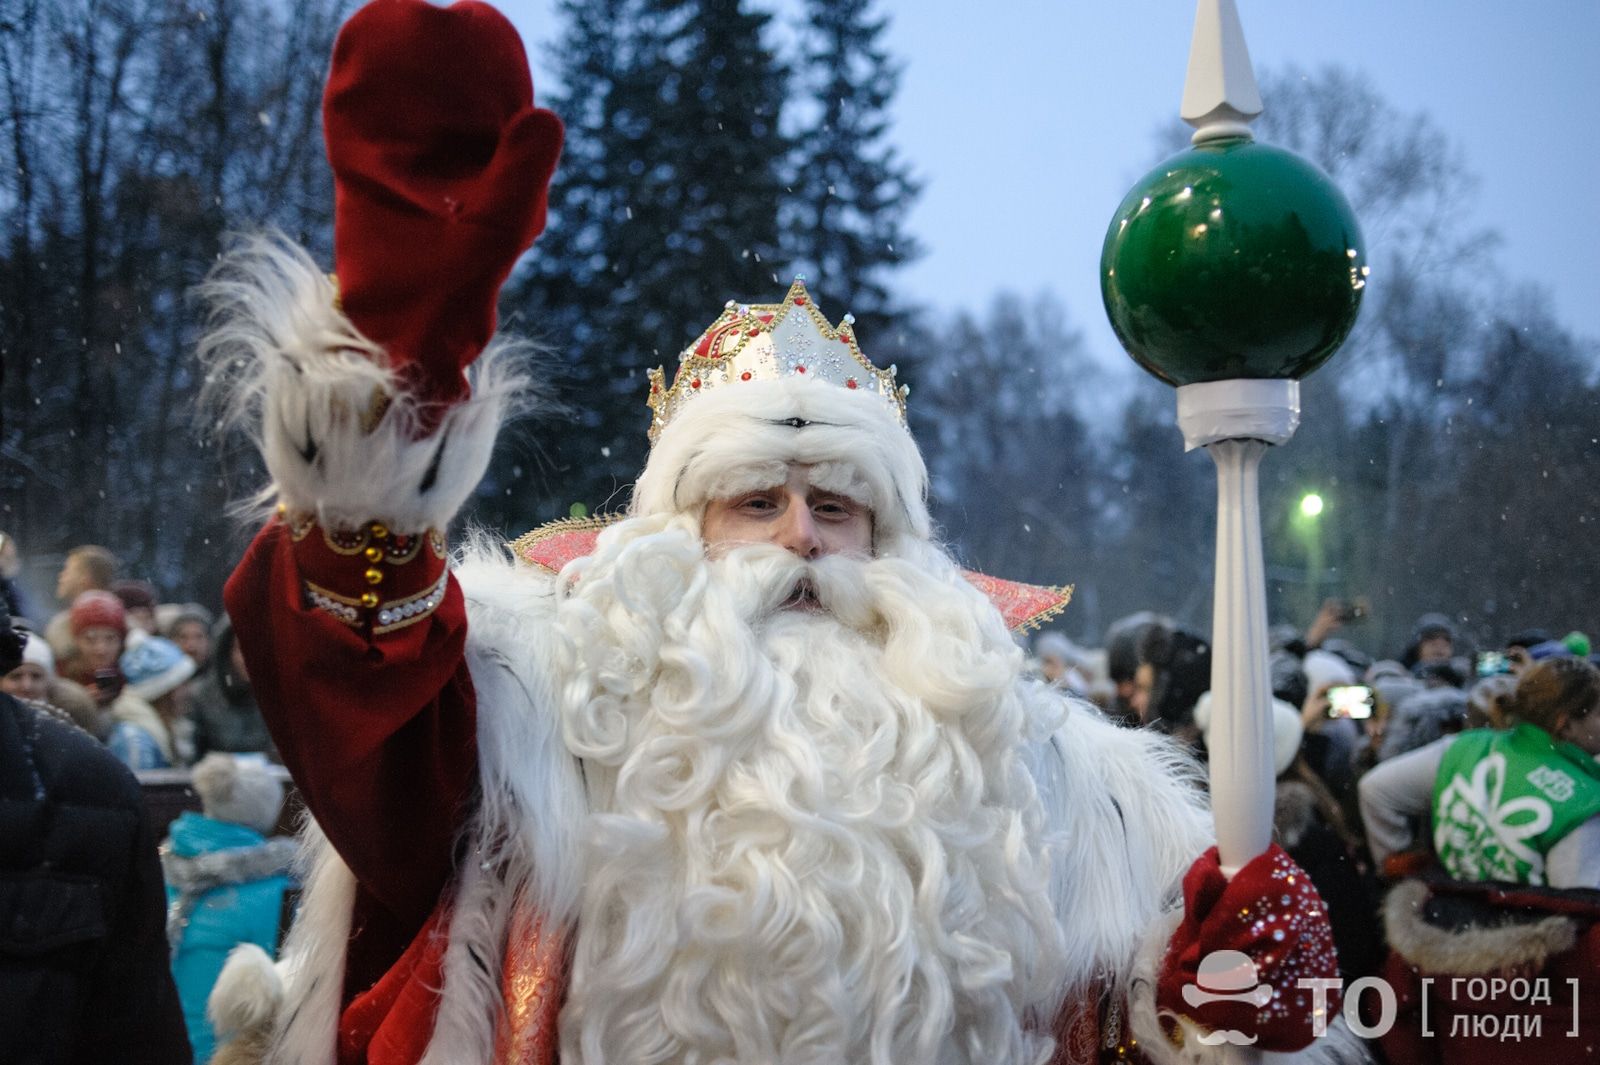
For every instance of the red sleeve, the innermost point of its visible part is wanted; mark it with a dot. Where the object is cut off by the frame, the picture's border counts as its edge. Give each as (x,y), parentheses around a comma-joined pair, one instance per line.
(375,717)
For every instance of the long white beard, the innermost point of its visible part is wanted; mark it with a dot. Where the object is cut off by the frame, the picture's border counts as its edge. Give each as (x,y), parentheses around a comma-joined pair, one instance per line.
(814,839)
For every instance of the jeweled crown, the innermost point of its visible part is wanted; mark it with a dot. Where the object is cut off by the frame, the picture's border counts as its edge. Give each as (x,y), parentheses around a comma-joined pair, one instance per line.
(766,342)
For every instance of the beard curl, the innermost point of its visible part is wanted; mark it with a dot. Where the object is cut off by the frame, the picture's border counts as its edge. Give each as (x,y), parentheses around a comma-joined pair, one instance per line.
(813,838)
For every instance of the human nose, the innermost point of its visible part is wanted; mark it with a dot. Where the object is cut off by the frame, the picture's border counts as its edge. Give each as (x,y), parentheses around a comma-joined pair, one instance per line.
(797,530)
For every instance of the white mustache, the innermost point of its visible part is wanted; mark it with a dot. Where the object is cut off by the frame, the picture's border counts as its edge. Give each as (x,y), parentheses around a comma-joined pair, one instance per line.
(768,580)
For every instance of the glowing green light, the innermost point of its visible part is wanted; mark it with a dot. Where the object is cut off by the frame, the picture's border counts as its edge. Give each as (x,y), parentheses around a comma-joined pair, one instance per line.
(1311,505)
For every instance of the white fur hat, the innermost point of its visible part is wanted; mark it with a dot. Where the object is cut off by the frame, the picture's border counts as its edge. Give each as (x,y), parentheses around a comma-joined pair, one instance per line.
(740,437)
(244,791)
(1287,730)
(154,666)
(1323,668)
(37,652)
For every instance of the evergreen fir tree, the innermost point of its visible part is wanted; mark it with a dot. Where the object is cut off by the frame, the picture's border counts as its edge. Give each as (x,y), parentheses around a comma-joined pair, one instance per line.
(666,205)
(852,191)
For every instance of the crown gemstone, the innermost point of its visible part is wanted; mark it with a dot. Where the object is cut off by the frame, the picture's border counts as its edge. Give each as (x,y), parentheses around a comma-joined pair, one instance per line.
(851,383)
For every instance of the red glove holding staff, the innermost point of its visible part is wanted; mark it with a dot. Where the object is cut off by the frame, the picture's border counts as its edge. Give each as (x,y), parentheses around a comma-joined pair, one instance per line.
(1234,964)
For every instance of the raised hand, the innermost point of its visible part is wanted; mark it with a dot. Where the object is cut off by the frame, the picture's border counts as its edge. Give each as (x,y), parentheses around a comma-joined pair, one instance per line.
(441,163)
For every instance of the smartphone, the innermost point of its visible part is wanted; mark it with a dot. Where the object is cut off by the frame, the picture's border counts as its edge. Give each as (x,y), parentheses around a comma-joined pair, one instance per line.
(108,680)
(1350,700)
(1493,663)
(1355,609)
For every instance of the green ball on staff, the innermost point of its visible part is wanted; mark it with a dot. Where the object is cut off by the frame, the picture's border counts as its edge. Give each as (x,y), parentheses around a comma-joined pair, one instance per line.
(1231,260)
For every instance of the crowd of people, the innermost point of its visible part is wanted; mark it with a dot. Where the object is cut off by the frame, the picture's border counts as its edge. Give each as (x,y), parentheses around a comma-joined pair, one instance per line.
(1381,762)
(154,686)
(1436,766)
(161,684)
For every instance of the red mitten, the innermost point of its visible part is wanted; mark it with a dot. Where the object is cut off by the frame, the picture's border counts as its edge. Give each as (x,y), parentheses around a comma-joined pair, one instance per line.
(441,165)
(1272,916)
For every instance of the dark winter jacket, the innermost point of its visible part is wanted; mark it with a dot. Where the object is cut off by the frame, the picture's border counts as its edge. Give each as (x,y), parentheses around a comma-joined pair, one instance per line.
(223,709)
(84,971)
(1350,891)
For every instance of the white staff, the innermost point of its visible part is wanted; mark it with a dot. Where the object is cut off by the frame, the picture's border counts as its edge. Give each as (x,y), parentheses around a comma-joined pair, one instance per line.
(1231,270)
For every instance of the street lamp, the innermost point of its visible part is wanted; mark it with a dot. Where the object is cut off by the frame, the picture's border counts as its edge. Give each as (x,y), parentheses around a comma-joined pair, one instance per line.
(1311,507)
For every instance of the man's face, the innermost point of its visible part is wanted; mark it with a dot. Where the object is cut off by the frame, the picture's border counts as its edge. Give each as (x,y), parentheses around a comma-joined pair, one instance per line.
(193,639)
(27,681)
(99,645)
(795,516)
(1144,681)
(72,581)
(1052,666)
(1435,649)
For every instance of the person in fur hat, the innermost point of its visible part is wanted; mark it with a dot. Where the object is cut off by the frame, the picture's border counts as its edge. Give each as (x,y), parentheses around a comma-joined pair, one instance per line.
(189,625)
(223,709)
(151,729)
(751,773)
(34,680)
(226,877)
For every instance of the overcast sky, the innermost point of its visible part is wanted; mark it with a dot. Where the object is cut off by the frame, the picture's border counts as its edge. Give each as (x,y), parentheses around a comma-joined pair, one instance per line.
(1029,119)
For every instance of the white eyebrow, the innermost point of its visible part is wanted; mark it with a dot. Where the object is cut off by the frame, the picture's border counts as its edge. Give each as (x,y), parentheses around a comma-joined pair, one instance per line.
(754,477)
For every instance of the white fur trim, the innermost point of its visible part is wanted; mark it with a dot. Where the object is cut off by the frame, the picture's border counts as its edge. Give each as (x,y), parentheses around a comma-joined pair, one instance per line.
(152,688)
(286,364)
(247,994)
(313,956)
(704,451)
(471,969)
(1472,951)
(1129,819)
(525,835)
(533,797)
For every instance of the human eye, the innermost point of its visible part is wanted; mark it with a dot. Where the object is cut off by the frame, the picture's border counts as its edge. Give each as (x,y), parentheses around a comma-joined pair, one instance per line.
(757,503)
(836,509)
